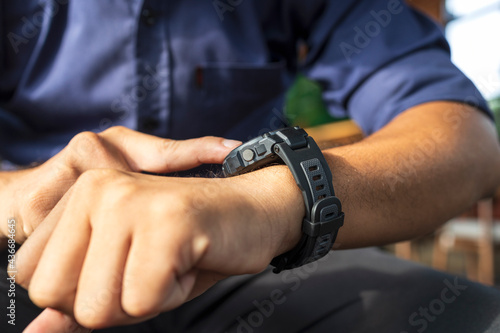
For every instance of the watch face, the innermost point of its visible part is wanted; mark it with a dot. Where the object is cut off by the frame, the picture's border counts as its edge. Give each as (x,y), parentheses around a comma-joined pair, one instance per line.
(251,155)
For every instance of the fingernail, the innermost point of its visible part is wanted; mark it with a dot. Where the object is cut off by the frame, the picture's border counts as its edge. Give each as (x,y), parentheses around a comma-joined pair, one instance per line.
(231,143)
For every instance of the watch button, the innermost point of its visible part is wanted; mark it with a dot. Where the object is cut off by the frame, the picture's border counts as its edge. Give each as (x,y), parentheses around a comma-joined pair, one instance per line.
(248,155)
(261,150)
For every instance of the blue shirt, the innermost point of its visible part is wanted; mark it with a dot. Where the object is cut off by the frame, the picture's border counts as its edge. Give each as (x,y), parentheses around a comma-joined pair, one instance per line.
(183,69)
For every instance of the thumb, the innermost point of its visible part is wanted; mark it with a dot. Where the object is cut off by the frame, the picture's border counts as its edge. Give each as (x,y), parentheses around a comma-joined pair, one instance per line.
(145,152)
(53,321)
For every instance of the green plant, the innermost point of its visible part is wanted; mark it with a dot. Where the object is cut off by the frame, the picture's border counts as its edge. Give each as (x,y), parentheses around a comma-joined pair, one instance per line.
(495,107)
(304,104)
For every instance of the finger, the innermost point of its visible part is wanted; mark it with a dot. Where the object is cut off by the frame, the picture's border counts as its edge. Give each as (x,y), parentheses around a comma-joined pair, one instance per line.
(53,321)
(170,277)
(29,253)
(145,152)
(98,298)
(55,279)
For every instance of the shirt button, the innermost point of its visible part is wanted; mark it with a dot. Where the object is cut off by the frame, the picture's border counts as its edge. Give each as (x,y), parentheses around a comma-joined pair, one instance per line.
(150,124)
(148,17)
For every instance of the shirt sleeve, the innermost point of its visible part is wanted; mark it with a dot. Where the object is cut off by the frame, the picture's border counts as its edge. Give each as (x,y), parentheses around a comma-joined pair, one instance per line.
(381,58)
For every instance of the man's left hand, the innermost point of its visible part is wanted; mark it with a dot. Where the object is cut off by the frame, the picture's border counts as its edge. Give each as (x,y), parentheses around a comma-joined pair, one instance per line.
(122,247)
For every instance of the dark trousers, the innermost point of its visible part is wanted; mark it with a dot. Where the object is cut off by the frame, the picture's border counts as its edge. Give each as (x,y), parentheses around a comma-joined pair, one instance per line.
(362,290)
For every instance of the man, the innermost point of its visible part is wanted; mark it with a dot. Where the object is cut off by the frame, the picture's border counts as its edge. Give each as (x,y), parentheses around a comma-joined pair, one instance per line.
(106,245)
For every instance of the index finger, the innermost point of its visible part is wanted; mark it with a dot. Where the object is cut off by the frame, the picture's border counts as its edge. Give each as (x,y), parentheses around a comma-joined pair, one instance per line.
(144,152)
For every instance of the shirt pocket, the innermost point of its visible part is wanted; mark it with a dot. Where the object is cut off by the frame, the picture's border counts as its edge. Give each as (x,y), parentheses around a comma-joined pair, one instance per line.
(247,86)
(224,95)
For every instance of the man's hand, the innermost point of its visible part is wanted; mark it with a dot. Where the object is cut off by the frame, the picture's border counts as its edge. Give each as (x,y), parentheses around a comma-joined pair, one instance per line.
(117,232)
(29,195)
(427,165)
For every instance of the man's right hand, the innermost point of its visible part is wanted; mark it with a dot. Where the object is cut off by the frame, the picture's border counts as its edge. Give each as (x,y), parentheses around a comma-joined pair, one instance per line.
(29,195)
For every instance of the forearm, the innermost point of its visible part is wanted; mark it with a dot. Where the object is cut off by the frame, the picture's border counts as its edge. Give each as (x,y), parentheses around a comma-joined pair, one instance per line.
(429,164)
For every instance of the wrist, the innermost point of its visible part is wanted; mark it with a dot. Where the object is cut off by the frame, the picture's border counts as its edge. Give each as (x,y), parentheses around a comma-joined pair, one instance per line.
(14,195)
(280,204)
(7,200)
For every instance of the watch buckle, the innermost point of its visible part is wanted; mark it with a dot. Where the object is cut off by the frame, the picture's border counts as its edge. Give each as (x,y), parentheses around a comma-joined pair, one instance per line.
(326,217)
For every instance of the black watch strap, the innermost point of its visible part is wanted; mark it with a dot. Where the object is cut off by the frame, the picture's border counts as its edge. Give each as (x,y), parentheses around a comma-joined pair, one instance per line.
(324,214)
(312,174)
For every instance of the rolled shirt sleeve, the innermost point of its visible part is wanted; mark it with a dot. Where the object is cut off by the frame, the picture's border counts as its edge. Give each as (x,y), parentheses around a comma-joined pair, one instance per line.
(380,59)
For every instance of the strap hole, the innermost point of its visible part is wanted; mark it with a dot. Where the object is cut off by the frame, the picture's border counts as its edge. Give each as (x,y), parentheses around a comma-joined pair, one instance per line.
(317,177)
(321,196)
(320,187)
(313,168)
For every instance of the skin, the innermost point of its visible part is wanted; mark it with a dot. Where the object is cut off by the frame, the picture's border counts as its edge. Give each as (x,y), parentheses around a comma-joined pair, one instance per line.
(30,194)
(430,163)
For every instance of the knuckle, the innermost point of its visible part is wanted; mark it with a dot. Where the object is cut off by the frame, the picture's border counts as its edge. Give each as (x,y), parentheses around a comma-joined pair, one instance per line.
(115,130)
(116,186)
(167,148)
(91,317)
(86,144)
(139,307)
(167,145)
(122,194)
(88,150)
(63,171)
(181,204)
(45,296)
(91,177)
(85,138)
(99,307)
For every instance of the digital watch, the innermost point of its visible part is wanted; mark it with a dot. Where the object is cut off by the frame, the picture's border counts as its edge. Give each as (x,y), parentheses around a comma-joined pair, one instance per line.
(293,147)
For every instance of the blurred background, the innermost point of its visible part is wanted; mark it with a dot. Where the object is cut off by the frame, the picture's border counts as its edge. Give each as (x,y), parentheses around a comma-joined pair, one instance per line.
(468,244)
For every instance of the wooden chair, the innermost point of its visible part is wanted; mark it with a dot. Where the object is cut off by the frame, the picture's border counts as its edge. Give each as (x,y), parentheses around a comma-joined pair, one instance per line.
(475,237)
(335,134)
